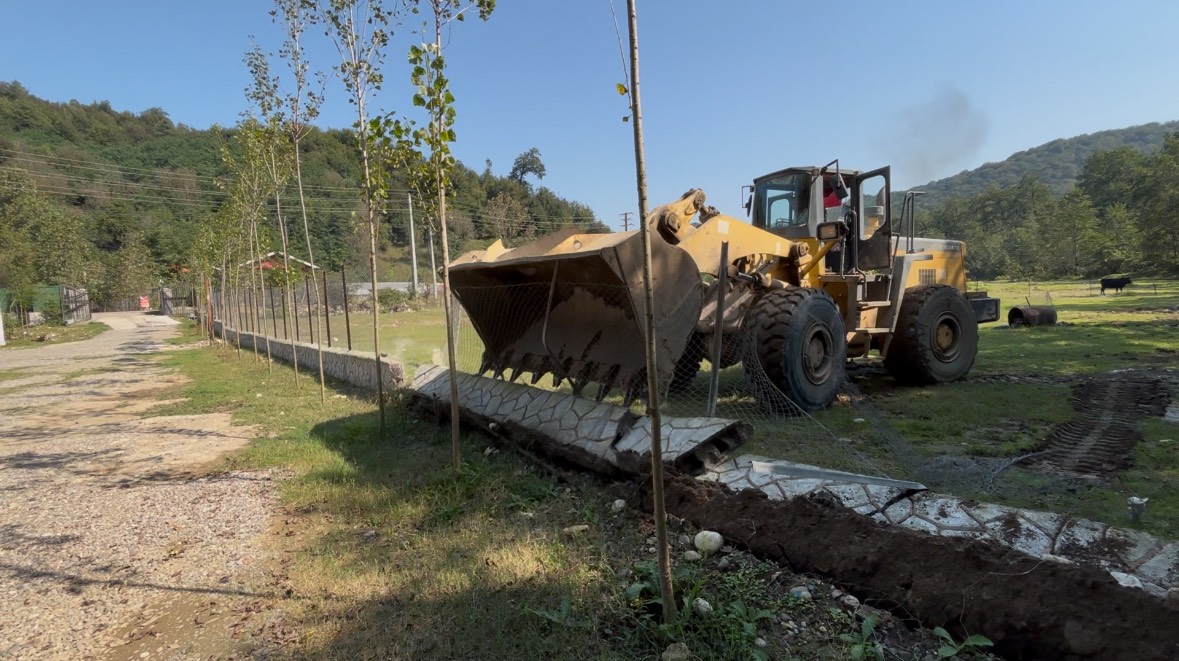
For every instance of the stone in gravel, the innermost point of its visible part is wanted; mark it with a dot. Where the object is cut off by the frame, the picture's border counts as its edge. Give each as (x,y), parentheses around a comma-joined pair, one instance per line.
(849,603)
(618,505)
(800,592)
(701,606)
(760,642)
(708,541)
(684,540)
(574,530)
(691,556)
(1126,580)
(724,563)
(676,652)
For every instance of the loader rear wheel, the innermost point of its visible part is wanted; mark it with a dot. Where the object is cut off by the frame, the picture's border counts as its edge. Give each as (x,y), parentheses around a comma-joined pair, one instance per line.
(801,345)
(936,337)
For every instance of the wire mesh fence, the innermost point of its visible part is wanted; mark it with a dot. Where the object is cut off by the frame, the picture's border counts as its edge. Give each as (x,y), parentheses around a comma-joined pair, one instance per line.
(320,307)
(587,339)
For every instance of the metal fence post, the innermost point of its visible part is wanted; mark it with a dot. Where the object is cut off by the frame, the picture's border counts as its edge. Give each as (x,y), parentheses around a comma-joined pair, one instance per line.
(722,283)
(327,321)
(310,315)
(347,312)
(273,313)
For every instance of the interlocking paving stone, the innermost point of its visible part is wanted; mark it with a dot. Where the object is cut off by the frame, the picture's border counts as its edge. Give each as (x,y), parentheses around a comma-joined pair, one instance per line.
(594,427)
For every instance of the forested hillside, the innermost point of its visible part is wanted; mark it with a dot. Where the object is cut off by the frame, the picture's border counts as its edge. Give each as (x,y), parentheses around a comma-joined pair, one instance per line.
(117,188)
(1056,164)
(1121,216)
(113,201)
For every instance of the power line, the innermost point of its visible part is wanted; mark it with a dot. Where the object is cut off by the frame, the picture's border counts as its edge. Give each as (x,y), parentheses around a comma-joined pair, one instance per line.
(140,191)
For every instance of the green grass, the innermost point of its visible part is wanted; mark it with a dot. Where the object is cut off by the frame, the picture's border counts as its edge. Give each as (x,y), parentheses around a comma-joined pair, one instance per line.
(1018,391)
(23,337)
(1139,327)
(415,337)
(399,557)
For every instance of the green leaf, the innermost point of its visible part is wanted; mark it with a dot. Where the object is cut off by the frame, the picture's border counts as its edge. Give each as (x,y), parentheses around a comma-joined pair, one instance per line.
(977,641)
(622,89)
(856,652)
(943,634)
(868,627)
(635,590)
(946,651)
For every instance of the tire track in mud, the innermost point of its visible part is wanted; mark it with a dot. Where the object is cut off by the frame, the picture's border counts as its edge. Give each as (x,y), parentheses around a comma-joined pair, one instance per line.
(1101,438)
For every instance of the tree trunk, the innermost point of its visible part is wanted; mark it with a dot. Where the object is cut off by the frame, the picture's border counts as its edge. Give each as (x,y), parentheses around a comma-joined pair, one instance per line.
(666,588)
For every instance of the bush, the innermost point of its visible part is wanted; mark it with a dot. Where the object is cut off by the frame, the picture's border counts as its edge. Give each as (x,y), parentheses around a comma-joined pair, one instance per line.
(394,299)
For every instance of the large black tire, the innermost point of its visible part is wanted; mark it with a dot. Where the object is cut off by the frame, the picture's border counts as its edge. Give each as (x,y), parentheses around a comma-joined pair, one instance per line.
(800,343)
(936,337)
(688,366)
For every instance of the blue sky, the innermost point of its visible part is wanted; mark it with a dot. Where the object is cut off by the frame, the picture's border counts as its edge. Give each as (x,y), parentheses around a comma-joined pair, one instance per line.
(730,89)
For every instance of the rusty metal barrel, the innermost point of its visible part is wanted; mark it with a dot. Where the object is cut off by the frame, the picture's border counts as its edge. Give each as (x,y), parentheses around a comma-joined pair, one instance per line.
(1031,315)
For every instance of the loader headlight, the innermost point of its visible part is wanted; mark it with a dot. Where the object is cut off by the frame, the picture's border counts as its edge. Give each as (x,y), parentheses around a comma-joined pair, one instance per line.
(831,231)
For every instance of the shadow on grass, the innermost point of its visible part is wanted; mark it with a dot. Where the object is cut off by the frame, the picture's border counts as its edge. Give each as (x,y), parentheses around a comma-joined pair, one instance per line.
(429,562)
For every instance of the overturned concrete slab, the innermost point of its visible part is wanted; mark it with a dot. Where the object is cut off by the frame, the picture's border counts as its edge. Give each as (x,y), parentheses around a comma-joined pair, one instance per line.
(1040,584)
(606,437)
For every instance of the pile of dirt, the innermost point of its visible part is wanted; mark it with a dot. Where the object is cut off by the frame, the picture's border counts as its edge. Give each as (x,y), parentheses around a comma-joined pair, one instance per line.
(1031,608)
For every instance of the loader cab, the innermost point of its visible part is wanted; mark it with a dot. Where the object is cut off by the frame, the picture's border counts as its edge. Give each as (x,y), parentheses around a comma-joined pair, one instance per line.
(794,202)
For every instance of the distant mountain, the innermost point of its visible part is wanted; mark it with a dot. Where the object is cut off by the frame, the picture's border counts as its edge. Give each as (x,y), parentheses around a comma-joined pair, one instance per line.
(1057,164)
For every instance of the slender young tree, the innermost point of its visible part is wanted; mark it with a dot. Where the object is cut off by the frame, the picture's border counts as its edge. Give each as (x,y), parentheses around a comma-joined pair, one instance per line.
(424,154)
(302,104)
(247,195)
(360,30)
(666,589)
(277,156)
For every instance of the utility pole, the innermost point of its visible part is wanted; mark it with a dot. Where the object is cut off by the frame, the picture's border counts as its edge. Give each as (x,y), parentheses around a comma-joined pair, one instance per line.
(625,220)
(413,248)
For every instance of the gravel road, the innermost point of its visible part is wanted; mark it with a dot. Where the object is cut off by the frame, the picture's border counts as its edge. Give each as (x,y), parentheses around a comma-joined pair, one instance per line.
(115,540)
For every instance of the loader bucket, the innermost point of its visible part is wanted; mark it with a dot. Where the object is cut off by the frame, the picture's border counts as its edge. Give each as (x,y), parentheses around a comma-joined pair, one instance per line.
(572,305)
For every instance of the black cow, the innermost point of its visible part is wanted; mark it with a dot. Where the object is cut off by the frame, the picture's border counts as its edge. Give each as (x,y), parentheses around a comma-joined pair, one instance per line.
(1115,284)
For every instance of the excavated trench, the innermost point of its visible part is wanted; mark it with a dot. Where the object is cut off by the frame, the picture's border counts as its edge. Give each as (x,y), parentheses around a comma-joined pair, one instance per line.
(1031,608)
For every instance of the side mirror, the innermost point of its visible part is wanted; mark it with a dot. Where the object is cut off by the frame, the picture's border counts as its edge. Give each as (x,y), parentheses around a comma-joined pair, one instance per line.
(838,187)
(747,193)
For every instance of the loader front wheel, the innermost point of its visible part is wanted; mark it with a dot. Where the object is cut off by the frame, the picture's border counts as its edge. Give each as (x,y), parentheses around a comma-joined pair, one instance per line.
(936,337)
(800,343)
(688,366)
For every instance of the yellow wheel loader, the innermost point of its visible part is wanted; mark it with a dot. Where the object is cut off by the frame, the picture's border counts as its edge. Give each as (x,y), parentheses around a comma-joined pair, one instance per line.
(820,275)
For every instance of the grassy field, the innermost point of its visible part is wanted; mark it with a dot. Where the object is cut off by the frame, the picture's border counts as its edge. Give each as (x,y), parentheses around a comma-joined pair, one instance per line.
(23,337)
(1019,390)
(397,556)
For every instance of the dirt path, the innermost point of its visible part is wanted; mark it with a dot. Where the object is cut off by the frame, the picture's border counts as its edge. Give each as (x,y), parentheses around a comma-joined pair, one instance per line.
(114,541)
